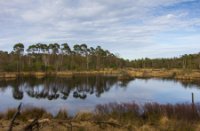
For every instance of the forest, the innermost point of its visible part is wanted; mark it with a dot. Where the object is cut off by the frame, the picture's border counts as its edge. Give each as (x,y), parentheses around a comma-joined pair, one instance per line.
(62,57)
(56,57)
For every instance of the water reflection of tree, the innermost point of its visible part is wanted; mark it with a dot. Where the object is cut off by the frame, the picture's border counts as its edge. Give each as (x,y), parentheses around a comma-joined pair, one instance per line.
(185,83)
(53,87)
(79,87)
(125,82)
(17,89)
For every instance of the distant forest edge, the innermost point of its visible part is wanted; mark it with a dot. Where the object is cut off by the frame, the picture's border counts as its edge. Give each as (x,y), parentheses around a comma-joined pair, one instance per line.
(61,57)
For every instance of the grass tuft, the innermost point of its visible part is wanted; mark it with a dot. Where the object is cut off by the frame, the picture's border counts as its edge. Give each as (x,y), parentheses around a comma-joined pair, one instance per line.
(62,114)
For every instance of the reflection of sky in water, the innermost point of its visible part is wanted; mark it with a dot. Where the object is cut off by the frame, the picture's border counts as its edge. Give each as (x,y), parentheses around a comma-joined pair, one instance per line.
(138,90)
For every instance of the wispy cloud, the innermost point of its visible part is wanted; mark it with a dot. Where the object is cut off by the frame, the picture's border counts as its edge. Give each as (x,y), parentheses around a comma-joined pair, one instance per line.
(126,27)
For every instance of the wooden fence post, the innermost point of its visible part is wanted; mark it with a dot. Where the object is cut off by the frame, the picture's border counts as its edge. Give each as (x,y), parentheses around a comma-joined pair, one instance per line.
(193,106)
(192,98)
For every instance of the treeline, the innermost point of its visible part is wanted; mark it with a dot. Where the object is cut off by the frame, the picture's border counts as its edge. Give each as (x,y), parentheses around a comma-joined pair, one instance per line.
(191,61)
(58,57)
(62,57)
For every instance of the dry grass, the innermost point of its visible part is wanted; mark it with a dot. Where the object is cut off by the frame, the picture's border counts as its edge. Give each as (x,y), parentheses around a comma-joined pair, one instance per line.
(149,111)
(114,116)
(165,73)
(9,114)
(62,114)
(122,73)
(26,114)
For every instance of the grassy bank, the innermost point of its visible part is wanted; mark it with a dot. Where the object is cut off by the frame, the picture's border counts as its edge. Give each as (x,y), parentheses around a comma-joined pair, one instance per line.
(113,116)
(165,73)
(58,74)
(121,73)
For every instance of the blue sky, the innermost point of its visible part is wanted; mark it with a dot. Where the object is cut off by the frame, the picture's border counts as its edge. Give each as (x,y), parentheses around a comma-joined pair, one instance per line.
(130,28)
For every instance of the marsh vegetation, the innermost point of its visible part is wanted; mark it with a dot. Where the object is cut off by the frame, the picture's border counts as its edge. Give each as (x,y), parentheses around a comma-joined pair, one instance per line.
(112,116)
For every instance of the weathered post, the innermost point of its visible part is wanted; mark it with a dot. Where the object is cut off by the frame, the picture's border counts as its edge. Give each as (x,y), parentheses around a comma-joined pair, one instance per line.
(193,106)
(192,98)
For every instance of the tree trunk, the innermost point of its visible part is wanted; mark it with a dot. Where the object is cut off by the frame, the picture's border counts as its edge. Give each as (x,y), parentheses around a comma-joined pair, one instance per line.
(87,60)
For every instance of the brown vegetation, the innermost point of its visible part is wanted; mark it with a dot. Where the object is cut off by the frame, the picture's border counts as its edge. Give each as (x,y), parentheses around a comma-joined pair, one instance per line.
(121,73)
(113,116)
(165,73)
(59,74)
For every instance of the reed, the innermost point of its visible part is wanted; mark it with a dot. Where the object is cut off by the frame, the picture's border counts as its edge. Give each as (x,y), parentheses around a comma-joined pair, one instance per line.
(132,116)
(149,111)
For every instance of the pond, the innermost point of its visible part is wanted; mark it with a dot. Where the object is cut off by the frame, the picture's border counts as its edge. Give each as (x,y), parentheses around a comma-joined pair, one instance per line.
(83,93)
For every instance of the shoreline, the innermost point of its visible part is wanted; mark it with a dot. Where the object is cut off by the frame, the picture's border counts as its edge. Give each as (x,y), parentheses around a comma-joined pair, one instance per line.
(178,74)
(58,74)
(111,116)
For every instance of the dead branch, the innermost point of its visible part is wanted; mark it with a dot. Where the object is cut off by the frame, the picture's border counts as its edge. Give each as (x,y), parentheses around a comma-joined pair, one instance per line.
(108,123)
(14,117)
(32,125)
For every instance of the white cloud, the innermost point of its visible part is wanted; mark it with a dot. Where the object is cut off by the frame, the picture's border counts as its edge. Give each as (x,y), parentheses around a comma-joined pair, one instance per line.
(133,24)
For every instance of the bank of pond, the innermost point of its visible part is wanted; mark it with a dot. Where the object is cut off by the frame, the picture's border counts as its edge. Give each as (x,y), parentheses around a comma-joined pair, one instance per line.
(111,116)
(184,74)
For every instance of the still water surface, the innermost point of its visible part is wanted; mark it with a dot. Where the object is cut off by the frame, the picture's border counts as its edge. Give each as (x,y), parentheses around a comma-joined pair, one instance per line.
(83,93)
